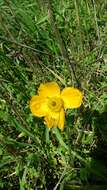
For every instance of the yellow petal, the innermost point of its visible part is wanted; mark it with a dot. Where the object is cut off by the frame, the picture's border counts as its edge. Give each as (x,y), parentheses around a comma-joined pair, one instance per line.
(72,97)
(50,122)
(61,120)
(55,120)
(49,89)
(54,115)
(38,106)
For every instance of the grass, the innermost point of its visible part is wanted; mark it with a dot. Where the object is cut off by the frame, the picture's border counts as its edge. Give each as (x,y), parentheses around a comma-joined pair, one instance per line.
(66,42)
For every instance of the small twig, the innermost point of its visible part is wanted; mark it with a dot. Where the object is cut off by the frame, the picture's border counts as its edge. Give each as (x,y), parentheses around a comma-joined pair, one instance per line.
(24,45)
(61,177)
(10,175)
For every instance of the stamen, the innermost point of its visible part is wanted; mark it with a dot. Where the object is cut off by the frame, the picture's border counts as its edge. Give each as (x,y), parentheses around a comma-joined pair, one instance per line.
(53,103)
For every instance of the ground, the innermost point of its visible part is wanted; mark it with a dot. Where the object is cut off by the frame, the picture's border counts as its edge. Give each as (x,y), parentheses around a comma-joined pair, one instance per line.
(66,42)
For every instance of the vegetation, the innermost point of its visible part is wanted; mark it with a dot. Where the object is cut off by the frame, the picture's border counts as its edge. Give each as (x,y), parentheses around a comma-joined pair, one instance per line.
(63,41)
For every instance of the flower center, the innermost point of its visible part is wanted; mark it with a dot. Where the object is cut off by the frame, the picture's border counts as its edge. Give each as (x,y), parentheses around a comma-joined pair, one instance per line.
(55,104)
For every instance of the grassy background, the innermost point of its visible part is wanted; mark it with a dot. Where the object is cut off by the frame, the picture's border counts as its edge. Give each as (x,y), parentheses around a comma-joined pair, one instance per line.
(63,41)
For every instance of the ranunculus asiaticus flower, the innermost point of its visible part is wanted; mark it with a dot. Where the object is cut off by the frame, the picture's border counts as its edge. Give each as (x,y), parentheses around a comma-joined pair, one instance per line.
(50,103)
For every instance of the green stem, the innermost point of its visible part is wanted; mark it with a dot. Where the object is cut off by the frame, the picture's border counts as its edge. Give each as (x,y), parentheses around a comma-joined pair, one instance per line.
(59,137)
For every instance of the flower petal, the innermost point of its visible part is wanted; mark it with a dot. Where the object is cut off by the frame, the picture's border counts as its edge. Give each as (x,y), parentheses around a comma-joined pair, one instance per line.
(38,106)
(50,122)
(49,89)
(61,120)
(72,97)
(55,120)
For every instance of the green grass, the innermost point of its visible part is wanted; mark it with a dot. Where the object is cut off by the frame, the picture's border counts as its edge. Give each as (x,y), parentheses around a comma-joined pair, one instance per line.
(63,41)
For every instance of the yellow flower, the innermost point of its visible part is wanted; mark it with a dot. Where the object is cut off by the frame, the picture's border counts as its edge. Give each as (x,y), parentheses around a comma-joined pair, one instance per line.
(50,103)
